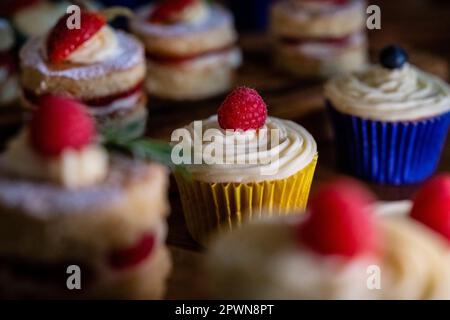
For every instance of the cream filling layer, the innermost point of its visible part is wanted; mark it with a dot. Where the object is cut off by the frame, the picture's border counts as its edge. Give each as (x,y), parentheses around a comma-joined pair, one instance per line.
(389,95)
(72,169)
(278,150)
(100,47)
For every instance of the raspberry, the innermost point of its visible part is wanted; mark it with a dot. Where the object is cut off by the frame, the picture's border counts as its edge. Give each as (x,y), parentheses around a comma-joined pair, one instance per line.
(243,109)
(129,257)
(432,204)
(62,41)
(60,123)
(165,10)
(339,222)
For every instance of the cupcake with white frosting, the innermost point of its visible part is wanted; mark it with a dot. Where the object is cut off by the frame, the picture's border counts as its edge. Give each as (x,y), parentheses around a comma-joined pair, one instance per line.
(191,48)
(245,165)
(340,250)
(95,64)
(385,118)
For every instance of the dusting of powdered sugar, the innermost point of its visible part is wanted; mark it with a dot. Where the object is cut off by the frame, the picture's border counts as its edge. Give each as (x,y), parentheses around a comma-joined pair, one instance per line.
(130,52)
(43,200)
(217,17)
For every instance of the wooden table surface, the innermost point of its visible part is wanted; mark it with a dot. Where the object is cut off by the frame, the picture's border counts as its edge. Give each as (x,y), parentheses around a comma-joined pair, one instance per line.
(422,26)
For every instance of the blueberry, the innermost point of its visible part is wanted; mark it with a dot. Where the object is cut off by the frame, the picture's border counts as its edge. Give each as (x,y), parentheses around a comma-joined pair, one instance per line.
(393,57)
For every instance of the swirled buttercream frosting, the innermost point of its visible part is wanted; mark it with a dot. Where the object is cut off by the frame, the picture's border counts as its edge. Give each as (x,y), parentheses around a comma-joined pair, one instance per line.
(405,94)
(278,150)
(265,261)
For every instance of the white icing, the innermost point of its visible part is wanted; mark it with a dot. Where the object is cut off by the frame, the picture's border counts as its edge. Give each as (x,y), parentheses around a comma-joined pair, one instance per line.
(265,260)
(102,46)
(42,199)
(130,53)
(218,17)
(271,159)
(123,104)
(6,36)
(72,169)
(389,95)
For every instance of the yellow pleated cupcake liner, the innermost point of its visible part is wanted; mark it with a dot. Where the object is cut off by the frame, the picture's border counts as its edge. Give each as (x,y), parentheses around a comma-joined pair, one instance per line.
(212,207)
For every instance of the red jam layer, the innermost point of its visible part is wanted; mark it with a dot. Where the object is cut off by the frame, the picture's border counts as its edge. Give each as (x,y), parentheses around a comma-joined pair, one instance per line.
(339,42)
(126,258)
(94,103)
(164,59)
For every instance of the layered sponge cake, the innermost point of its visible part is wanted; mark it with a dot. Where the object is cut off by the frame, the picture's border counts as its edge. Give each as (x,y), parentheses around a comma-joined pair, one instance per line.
(95,64)
(64,202)
(319,38)
(191,49)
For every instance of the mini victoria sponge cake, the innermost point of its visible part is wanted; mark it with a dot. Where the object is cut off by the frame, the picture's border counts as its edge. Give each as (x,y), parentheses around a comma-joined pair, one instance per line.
(191,49)
(319,38)
(77,205)
(97,65)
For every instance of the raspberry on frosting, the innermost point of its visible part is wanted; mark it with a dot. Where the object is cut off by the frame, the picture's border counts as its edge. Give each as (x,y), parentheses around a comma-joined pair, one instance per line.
(432,204)
(339,221)
(242,109)
(62,41)
(60,123)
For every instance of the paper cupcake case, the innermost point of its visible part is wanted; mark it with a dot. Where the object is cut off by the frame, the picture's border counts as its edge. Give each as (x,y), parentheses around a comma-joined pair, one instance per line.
(211,207)
(394,153)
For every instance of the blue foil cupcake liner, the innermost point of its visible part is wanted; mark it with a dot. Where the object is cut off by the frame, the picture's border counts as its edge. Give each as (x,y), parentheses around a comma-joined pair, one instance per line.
(394,153)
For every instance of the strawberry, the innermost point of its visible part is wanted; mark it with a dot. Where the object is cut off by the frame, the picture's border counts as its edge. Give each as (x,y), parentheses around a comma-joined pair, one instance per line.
(166,10)
(242,109)
(62,41)
(432,204)
(60,123)
(339,221)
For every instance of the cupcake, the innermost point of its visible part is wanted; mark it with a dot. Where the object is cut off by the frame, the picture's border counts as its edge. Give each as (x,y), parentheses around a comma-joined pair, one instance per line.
(385,117)
(240,165)
(191,48)
(101,67)
(340,250)
(66,203)
(319,38)
(9,88)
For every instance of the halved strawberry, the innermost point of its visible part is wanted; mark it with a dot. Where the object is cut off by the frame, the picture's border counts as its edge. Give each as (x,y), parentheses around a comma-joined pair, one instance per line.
(62,41)
(166,9)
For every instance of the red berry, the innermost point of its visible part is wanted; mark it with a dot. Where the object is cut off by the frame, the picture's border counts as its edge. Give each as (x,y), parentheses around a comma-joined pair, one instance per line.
(60,123)
(166,10)
(62,41)
(339,221)
(130,257)
(432,204)
(243,109)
